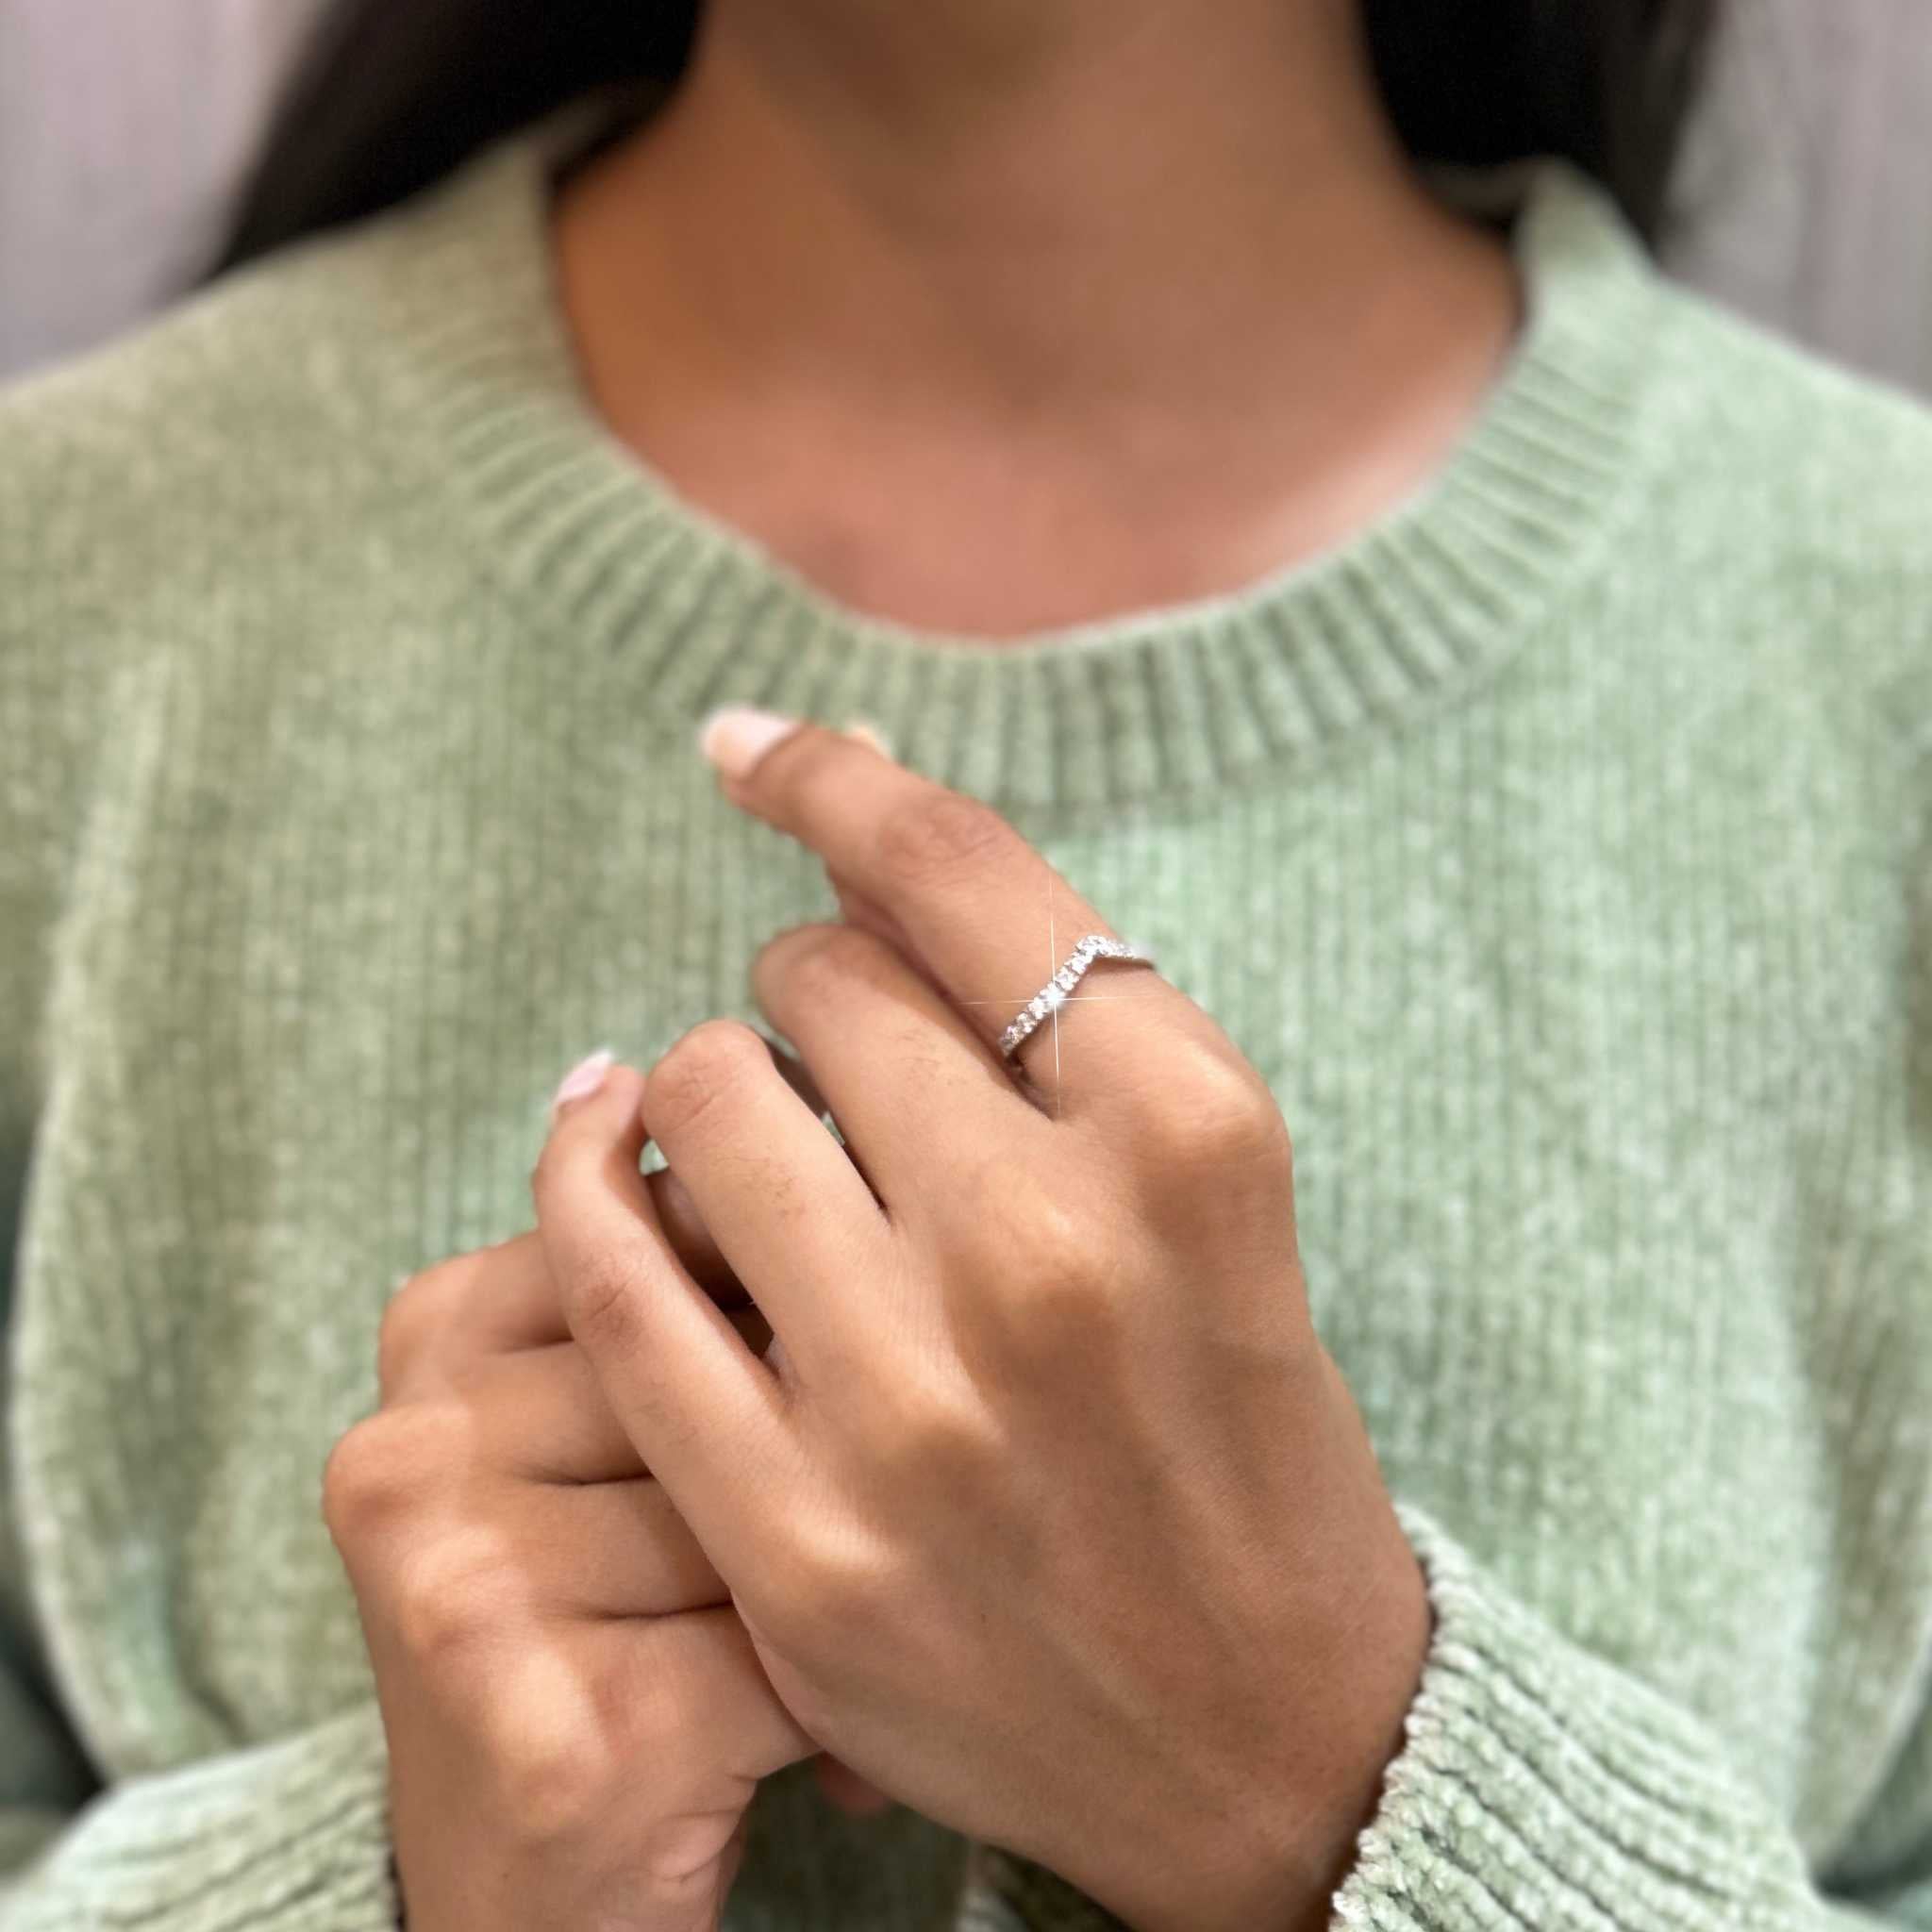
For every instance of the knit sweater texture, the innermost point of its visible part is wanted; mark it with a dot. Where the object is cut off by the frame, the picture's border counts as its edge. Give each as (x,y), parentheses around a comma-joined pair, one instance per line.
(1555,845)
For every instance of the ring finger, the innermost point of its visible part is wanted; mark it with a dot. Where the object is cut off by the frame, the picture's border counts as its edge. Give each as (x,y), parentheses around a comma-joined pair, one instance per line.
(992,920)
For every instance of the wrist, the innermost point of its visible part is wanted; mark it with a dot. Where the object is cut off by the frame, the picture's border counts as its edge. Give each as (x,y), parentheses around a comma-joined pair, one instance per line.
(1282,1858)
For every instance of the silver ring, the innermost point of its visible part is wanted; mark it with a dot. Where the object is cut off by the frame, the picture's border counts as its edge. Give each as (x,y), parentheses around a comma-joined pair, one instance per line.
(1094,946)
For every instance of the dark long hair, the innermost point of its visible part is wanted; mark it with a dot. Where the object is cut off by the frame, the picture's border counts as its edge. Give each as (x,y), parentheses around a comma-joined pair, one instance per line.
(388,95)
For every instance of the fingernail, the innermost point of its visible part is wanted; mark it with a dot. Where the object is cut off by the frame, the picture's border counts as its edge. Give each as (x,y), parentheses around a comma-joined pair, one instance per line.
(866,733)
(585,1077)
(736,736)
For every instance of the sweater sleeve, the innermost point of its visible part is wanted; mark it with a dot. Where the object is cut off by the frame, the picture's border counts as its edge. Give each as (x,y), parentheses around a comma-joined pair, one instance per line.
(1539,1785)
(290,1834)
(285,1835)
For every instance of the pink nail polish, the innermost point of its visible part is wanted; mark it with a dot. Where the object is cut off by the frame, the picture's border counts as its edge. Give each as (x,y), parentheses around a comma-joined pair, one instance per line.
(585,1077)
(736,736)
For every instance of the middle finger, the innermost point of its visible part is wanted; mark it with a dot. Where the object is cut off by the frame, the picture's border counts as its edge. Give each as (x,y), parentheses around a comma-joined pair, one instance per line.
(991,919)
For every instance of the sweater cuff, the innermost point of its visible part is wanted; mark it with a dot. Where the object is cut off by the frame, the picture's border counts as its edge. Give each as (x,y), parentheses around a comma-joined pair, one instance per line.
(1540,1785)
(1537,1785)
(286,1835)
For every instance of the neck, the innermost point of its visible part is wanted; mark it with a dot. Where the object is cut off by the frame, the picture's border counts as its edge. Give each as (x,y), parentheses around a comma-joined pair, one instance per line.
(1164,262)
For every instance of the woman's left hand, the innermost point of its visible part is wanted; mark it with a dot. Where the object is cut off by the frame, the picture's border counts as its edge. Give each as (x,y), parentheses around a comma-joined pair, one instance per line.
(1048,1513)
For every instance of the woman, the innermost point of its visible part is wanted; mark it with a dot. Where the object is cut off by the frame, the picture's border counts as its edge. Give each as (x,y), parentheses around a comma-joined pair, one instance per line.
(1248,467)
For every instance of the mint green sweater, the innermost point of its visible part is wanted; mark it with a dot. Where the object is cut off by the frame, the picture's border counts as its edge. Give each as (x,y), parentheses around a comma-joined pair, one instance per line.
(1560,847)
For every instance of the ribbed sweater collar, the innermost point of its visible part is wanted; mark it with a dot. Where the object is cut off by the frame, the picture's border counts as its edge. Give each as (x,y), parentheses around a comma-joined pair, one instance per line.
(603,554)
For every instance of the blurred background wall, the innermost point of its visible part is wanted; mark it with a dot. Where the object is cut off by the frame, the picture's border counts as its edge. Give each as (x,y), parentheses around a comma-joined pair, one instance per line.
(121,124)
(1806,186)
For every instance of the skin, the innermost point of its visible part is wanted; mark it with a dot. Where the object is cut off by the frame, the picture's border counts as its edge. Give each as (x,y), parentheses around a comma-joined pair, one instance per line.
(917,296)
(474,1354)
(1152,1623)
(542,1626)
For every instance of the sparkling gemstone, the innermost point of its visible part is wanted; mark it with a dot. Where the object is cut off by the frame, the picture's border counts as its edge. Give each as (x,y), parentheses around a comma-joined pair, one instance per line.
(1052,998)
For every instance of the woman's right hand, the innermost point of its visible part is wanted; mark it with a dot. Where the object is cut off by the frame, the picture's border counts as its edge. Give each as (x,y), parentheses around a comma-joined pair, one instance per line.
(576,1719)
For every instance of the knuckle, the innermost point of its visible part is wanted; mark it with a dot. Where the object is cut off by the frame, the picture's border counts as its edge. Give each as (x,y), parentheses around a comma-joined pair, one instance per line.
(1052,1313)
(551,1765)
(600,1301)
(346,1485)
(1052,1260)
(833,1583)
(545,1789)
(448,1590)
(1213,1112)
(394,1464)
(944,1431)
(937,836)
(699,1068)
(814,955)
(1060,1250)
(376,1471)
(544,1171)
(412,1317)
(1048,1287)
